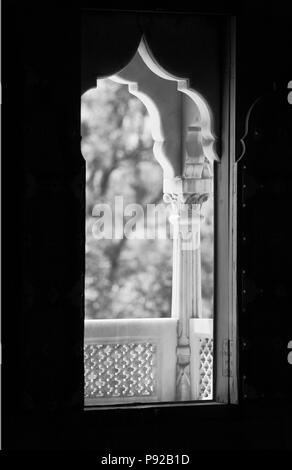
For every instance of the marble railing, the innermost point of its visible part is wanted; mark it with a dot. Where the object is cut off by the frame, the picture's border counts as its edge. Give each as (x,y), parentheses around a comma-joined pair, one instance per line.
(135,360)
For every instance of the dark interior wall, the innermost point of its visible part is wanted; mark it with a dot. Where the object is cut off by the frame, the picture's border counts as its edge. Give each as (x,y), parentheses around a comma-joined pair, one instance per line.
(43,239)
(43,230)
(264,149)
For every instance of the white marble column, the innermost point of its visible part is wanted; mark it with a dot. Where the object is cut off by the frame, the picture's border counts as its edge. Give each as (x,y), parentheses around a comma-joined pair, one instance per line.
(186,219)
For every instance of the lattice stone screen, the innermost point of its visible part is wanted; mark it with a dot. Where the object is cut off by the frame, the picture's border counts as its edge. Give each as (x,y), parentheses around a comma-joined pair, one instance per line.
(201,336)
(120,370)
(130,360)
(206,367)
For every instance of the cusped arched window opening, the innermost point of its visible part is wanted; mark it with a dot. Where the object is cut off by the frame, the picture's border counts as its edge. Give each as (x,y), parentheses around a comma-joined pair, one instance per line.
(149,284)
(128,243)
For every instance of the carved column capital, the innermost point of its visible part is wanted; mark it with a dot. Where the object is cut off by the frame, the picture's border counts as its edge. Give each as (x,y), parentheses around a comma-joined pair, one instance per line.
(182,199)
(186,208)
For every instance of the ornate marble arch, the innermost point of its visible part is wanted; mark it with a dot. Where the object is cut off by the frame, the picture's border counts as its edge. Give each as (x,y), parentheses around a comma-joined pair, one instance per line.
(181,122)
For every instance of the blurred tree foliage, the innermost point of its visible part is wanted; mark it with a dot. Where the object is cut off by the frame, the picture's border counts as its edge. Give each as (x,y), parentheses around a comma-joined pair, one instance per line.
(127,278)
